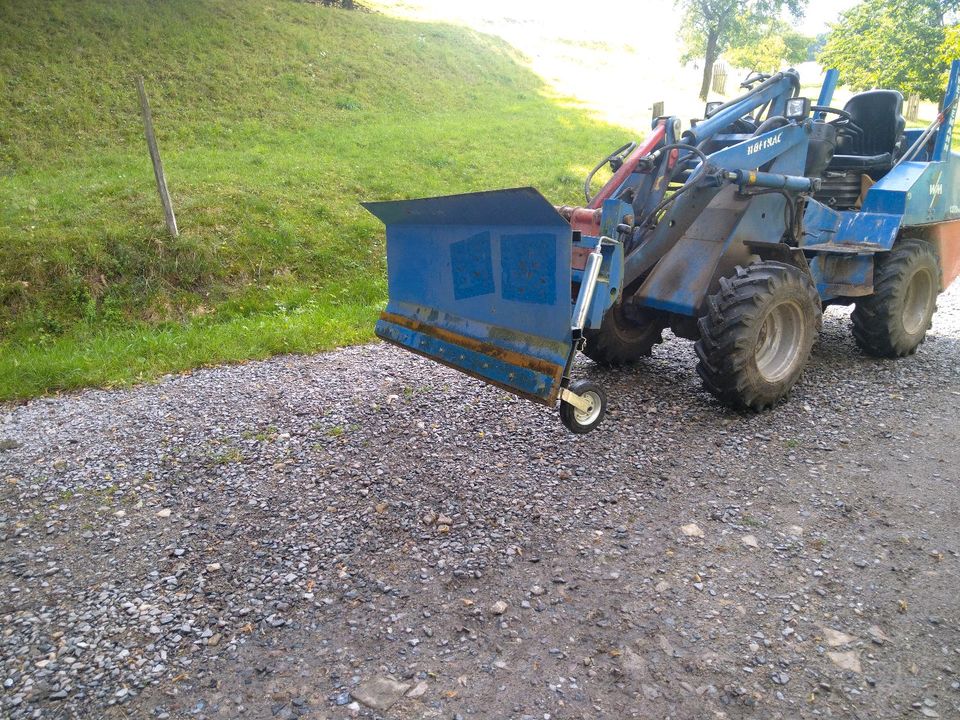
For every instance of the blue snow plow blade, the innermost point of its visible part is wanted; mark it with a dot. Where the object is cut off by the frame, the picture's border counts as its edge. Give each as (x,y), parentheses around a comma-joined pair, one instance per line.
(482,283)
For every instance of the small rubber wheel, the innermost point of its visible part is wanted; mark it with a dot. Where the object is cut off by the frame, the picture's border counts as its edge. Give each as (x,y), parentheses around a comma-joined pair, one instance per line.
(894,320)
(583,421)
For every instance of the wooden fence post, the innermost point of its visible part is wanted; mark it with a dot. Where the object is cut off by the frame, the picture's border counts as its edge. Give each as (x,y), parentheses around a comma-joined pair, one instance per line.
(155,157)
(720,78)
(913,107)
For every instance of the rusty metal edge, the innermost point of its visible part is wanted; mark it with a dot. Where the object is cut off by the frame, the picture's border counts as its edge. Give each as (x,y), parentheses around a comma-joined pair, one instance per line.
(544,367)
(508,356)
(549,402)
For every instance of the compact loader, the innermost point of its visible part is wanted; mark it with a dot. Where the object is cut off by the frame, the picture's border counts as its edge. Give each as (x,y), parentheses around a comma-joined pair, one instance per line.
(735,233)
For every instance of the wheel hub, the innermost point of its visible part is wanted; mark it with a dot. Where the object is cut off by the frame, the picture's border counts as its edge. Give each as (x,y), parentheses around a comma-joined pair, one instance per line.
(780,341)
(916,302)
(585,417)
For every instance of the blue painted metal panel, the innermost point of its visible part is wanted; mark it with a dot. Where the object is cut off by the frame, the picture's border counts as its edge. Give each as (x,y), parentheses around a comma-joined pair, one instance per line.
(917,192)
(827,89)
(827,230)
(609,282)
(845,243)
(872,230)
(477,208)
(482,282)
(759,150)
(687,271)
(471,264)
(526,262)
(820,224)
(889,194)
(839,275)
(941,149)
(777,92)
(929,198)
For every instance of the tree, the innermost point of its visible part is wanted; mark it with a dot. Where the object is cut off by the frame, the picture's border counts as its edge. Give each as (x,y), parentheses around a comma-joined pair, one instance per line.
(798,45)
(764,55)
(764,45)
(712,26)
(816,47)
(895,44)
(950,50)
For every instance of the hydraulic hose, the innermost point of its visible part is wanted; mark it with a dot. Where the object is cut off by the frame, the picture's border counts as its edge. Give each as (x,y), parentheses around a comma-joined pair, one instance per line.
(691,181)
(625,149)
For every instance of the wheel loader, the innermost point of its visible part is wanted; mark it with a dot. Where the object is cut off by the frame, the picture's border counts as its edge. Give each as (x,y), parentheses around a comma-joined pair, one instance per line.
(734,232)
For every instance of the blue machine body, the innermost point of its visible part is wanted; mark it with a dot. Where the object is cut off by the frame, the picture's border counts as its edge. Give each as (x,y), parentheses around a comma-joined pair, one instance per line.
(680,272)
(487,282)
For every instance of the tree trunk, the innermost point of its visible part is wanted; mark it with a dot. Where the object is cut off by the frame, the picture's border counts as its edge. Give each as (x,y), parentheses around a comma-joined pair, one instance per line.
(708,61)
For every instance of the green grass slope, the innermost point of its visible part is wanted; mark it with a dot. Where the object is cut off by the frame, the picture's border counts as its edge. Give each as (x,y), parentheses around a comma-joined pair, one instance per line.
(274,120)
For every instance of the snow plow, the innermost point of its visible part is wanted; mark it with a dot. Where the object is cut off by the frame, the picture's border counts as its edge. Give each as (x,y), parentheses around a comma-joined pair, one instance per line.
(735,233)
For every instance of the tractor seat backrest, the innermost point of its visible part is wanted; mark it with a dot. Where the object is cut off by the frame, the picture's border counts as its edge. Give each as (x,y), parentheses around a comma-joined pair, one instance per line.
(879,113)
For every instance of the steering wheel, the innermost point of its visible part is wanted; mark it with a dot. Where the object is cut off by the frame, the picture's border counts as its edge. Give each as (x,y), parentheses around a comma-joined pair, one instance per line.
(841,114)
(615,159)
(843,123)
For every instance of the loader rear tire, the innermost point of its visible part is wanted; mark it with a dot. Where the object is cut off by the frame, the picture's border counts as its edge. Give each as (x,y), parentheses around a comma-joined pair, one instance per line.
(757,334)
(894,320)
(623,340)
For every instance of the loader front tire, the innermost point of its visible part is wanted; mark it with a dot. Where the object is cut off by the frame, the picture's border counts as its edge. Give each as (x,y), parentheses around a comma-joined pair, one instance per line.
(757,334)
(894,320)
(624,336)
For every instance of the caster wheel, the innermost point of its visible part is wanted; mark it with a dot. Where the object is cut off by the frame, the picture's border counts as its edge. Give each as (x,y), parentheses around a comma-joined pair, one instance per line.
(583,420)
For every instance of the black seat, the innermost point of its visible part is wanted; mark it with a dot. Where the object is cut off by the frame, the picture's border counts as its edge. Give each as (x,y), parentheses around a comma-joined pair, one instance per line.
(878,113)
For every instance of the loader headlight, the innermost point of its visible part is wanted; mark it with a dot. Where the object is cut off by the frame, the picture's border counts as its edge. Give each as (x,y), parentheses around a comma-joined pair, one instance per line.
(798,108)
(711,108)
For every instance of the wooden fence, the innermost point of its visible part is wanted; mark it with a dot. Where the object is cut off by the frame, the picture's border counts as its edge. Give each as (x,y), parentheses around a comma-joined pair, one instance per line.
(913,108)
(719,78)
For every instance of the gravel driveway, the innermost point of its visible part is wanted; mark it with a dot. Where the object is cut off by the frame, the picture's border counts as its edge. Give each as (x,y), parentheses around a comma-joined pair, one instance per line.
(364,533)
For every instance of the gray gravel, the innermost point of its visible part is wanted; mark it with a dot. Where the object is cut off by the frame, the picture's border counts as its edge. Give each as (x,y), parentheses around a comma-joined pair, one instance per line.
(364,533)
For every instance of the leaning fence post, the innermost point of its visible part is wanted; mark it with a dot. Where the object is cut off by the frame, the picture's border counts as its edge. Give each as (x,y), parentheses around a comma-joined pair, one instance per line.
(155,157)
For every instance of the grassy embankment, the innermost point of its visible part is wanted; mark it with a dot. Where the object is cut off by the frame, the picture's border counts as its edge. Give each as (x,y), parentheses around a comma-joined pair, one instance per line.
(274,120)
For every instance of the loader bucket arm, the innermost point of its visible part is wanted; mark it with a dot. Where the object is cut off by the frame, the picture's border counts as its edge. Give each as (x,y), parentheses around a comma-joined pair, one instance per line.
(482,283)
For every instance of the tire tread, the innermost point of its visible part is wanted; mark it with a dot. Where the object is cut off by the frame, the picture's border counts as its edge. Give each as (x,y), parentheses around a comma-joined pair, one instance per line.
(877,328)
(725,347)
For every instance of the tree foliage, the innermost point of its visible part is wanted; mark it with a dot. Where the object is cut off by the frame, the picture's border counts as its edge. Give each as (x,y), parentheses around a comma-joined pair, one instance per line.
(897,44)
(764,55)
(765,45)
(816,47)
(712,26)
(950,50)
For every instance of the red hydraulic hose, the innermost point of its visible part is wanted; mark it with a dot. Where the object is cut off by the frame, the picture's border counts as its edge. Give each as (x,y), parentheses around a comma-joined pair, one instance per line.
(630,164)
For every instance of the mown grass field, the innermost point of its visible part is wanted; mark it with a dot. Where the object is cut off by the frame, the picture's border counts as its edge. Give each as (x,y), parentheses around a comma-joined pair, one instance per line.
(275,120)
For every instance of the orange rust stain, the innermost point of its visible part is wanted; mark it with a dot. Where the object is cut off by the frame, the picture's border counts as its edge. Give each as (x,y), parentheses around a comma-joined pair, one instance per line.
(509,356)
(945,236)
